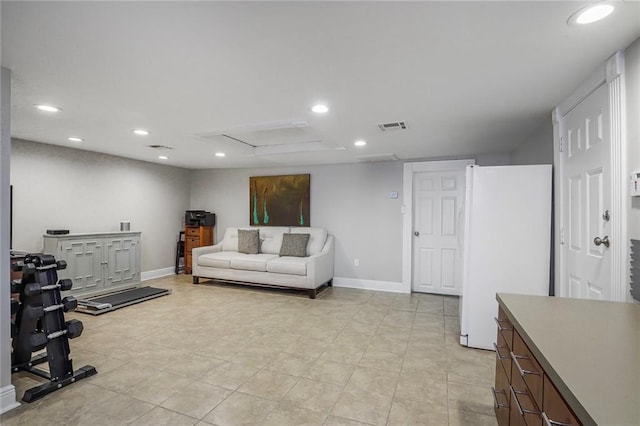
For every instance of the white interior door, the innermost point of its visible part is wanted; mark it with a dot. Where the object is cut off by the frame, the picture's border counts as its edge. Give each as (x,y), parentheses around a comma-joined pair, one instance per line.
(438,199)
(587,202)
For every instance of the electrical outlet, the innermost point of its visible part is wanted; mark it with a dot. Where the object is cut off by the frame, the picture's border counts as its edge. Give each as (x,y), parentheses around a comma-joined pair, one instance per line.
(356,262)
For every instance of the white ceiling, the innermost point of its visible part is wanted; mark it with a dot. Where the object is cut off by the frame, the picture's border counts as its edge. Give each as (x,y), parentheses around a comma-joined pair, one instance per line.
(467,77)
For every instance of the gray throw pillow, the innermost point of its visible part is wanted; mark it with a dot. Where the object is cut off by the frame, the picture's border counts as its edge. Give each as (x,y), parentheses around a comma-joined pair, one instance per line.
(294,245)
(249,241)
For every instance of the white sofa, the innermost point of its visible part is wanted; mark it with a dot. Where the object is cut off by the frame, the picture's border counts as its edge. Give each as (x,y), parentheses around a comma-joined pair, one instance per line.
(267,268)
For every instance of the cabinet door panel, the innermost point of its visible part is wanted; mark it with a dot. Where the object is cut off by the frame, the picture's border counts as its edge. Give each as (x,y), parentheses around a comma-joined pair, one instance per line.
(554,406)
(122,256)
(84,264)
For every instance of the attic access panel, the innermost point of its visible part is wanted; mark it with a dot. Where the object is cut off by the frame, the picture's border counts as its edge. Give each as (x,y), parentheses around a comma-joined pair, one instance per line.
(279,200)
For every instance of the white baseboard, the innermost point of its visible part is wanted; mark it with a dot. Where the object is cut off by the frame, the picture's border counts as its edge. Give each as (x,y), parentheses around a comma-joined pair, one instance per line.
(157,273)
(8,399)
(389,286)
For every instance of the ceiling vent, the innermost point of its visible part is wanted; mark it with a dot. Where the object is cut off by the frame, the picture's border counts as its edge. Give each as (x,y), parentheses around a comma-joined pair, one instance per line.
(162,147)
(377,157)
(394,125)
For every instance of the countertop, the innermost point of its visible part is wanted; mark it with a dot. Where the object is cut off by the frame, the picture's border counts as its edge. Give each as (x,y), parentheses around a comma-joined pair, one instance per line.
(589,349)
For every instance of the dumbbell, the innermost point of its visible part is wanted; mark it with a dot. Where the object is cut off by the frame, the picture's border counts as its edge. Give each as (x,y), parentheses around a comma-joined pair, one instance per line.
(69,303)
(14,306)
(36,288)
(73,329)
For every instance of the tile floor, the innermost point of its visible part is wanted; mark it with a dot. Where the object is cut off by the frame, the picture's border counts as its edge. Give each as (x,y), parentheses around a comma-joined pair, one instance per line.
(224,355)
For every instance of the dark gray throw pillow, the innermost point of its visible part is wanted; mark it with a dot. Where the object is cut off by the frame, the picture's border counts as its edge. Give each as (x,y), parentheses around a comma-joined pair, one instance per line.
(294,245)
(249,241)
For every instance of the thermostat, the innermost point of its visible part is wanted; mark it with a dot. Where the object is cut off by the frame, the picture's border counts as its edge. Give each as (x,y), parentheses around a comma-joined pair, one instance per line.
(634,187)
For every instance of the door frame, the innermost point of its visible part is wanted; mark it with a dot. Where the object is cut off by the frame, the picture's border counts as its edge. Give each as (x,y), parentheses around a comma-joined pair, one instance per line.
(409,170)
(611,74)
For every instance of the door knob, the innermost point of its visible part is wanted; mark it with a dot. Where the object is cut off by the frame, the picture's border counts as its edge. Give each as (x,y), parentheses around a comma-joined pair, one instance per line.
(597,241)
(417,234)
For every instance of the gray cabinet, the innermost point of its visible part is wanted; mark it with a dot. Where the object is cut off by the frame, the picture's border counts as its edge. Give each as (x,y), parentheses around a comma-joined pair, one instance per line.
(97,262)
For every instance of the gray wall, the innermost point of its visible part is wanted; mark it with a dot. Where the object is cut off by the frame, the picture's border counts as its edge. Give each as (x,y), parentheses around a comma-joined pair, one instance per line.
(537,148)
(351,201)
(57,187)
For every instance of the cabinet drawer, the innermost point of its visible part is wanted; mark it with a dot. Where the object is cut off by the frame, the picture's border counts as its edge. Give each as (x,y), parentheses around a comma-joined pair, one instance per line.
(191,242)
(526,366)
(524,409)
(505,328)
(192,231)
(503,355)
(501,395)
(555,409)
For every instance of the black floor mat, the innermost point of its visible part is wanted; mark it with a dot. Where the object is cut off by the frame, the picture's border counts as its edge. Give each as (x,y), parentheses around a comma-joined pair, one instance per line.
(109,302)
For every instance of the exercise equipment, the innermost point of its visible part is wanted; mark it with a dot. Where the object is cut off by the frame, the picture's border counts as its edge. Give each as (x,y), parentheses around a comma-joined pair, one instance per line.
(119,299)
(69,303)
(40,324)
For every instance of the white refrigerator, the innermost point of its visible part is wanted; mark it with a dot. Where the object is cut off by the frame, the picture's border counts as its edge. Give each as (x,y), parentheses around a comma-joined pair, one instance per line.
(507,243)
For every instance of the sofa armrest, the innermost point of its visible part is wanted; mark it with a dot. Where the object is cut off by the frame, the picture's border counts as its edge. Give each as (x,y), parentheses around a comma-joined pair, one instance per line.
(199,251)
(320,266)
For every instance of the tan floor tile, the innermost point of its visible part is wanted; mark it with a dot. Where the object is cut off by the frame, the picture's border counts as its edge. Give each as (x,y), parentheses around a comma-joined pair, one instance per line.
(343,353)
(451,306)
(393,344)
(307,348)
(428,386)
(290,364)
(287,415)
(353,338)
(229,375)
(196,400)
(313,395)
(362,406)
(159,387)
(402,319)
(268,384)
(429,322)
(240,409)
(466,418)
(387,361)
(341,421)
(405,413)
(330,372)
(374,381)
(192,365)
(123,377)
(465,397)
(162,417)
(120,409)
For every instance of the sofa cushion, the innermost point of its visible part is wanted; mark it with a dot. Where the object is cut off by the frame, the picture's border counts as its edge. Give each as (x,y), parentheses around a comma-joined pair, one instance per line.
(317,238)
(221,259)
(294,245)
(288,265)
(271,238)
(251,262)
(249,241)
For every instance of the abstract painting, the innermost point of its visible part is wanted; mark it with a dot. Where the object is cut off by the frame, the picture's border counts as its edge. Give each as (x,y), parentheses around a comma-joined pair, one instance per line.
(279,200)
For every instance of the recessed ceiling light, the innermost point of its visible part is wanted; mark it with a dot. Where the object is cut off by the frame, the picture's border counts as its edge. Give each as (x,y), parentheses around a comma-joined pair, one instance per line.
(48,108)
(140,132)
(360,143)
(163,157)
(591,13)
(220,154)
(320,108)
(74,139)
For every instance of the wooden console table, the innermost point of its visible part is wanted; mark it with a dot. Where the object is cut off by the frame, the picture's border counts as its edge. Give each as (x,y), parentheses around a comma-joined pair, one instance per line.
(195,236)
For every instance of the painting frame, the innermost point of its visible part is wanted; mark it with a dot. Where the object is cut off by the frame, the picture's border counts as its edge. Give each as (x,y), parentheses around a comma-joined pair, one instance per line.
(280,200)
